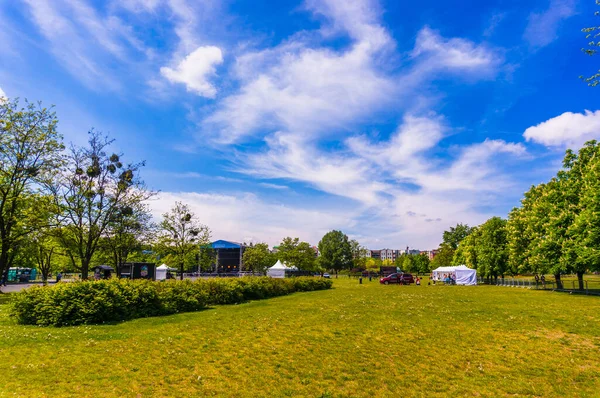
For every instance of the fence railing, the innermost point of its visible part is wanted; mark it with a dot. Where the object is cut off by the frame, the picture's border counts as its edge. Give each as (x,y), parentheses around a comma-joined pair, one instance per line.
(569,285)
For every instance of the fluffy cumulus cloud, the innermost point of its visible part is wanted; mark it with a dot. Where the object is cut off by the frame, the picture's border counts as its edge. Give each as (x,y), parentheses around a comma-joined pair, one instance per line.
(567,130)
(195,70)
(542,27)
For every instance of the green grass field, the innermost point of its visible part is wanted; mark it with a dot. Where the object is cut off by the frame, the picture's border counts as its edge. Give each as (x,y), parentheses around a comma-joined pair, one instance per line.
(354,340)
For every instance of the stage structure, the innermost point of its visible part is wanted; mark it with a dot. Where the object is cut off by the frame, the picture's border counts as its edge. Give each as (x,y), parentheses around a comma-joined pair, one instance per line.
(228,256)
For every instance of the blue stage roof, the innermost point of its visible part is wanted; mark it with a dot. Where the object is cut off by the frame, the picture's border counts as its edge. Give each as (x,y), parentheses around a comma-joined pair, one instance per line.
(223,244)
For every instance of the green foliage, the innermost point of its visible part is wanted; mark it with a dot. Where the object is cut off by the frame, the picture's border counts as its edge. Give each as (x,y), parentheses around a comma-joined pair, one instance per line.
(182,235)
(30,149)
(298,254)
(89,192)
(258,258)
(491,251)
(455,235)
(119,300)
(591,34)
(335,251)
(443,258)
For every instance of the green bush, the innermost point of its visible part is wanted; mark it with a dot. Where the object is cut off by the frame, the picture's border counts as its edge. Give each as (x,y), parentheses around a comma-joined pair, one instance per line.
(115,300)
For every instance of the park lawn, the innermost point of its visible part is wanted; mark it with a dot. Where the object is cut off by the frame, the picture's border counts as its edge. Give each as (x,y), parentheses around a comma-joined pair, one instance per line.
(364,340)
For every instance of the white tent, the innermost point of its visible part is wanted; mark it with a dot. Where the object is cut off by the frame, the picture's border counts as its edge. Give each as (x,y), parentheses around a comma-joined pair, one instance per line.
(461,273)
(278,270)
(161,272)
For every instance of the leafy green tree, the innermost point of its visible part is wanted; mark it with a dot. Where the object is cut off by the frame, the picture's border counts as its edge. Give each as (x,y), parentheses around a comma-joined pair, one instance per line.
(130,225)
(408,264)
(299,254)
(444,256)
(88,192)
(422,263)
(181,235)
(580,187)
(592,33)
(335,251)
(455,235)
(359,255)
(258,258)
(30,149)
(492,256)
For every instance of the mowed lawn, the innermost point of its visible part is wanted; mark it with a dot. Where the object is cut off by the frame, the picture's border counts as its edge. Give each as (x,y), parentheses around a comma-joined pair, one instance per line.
(355,340)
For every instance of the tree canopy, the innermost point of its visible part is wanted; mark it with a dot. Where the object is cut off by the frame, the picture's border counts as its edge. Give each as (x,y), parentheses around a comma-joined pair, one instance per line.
(335,251)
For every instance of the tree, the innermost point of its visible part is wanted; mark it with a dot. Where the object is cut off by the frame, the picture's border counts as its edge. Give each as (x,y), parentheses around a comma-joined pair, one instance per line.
(592,34)
(29,154)
(298,254)
(88,192)
(580,183)
(491,248)
(181,234)
(359,255)
(258,258)
(335,251)
(443,258)
(408,263)
(455,235)
(421,263)
(128,227)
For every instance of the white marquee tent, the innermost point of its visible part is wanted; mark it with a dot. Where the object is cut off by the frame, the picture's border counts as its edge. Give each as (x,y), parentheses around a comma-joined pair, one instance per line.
(161,272)
(278,270)
(462,274)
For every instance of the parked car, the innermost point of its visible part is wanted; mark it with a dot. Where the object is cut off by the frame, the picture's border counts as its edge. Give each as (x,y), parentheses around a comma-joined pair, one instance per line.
(403,279)
(326,275)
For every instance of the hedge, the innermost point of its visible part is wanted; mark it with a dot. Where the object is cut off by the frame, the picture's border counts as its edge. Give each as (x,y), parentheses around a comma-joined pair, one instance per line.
(114,300)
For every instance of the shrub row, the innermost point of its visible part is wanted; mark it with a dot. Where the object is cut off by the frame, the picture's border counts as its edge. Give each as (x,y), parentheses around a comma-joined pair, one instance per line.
(97,302)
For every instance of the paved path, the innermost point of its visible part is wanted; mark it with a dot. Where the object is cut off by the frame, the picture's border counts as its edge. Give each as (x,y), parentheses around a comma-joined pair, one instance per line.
(11,288)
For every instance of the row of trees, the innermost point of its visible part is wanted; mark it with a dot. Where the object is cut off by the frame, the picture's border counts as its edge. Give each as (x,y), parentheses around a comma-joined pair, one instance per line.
(68,207)
(556,230)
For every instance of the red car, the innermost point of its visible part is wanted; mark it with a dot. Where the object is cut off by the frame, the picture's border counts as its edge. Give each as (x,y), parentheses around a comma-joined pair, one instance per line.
(403,279)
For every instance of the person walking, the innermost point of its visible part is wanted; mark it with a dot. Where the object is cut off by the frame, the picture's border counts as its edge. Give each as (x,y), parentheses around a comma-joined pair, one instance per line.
(4,278)
(58,277)
(544,281)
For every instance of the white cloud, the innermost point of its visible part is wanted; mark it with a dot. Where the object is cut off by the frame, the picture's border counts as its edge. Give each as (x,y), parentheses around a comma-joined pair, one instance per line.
(2,94)
(86,43)
(567,130)
(245,217)
(542,27)
(195,69)
(454,53)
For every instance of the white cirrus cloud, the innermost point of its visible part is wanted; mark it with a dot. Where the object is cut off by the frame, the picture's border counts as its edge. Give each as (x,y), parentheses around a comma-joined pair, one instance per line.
(543,26)
(566,130)
(195,70)
(454,53)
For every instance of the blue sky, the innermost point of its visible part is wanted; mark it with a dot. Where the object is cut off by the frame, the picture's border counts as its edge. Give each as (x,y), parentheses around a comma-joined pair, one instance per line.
(389,120)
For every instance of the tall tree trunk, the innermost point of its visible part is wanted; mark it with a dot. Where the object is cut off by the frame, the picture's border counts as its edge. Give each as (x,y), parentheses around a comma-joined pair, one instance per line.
(580,279)
(181,274)
(559,284)
(85,265)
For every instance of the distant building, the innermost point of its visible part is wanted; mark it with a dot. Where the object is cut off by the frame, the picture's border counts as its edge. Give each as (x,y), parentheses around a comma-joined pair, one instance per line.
(431,253)
(375,254)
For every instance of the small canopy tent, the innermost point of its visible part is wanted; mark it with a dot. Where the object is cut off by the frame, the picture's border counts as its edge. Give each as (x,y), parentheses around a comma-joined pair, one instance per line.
(461,273)
(161,272)
(277,271)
